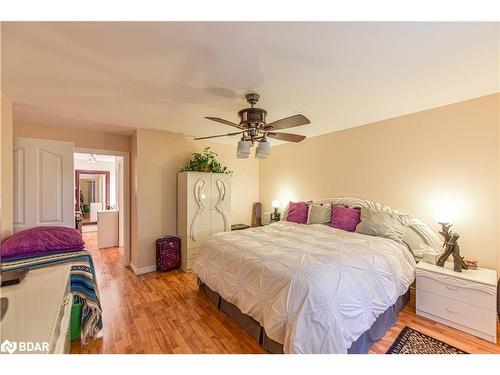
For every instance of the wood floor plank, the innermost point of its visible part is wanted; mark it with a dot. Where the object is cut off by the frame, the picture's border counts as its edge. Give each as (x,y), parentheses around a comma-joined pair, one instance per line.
(164,312)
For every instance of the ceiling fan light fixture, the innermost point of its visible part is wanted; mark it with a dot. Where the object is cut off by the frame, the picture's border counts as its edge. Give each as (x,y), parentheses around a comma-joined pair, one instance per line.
(263,149)
(242,156)
(254,128)
(243,151)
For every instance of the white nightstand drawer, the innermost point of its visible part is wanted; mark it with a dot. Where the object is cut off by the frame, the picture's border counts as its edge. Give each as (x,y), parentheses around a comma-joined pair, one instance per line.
(455,311)
(480,295)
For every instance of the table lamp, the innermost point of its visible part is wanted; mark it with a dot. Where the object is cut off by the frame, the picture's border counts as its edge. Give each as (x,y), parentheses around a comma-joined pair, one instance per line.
(275,215)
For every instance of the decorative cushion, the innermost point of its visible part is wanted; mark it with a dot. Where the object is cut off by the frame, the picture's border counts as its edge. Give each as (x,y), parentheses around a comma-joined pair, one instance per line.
(382,224)
(344,218)
(41,241)
(297,212)
(284,211)
(319,213)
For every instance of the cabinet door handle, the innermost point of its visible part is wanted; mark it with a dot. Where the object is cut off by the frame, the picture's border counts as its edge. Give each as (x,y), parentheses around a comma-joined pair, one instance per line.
(451,287)
(451,311)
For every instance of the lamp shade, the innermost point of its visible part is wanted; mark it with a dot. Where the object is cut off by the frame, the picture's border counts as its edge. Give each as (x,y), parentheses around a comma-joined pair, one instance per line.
(445,215)
(275,203)
(446,209)
(243,151)
(263,149)
(242,156)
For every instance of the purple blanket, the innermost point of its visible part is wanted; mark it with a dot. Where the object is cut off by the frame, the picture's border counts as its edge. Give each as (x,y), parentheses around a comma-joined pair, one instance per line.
(41,241)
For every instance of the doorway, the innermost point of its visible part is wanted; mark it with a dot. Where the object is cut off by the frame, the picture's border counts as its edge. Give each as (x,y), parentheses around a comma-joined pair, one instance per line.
(93,190)
(102,199)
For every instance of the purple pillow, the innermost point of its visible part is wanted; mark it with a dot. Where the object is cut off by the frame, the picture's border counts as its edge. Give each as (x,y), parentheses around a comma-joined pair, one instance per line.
(297,212)
(345,218)
(41,241)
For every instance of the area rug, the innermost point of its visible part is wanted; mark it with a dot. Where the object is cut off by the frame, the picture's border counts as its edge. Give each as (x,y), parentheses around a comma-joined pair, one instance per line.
(410,341)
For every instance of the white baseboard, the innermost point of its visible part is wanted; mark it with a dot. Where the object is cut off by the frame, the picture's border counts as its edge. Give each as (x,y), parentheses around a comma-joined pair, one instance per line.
(142,270)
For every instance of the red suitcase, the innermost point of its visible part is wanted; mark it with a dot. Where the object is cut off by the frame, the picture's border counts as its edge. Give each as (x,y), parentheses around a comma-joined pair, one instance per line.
(168,253)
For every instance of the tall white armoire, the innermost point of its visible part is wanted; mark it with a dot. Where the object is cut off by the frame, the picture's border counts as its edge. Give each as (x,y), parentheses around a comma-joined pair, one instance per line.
(203,209)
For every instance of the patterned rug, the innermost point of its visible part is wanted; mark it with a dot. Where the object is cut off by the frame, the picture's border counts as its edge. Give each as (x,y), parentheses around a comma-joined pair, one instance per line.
(410,341)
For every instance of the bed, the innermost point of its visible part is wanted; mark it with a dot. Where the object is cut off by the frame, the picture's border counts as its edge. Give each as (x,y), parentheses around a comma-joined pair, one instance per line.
(312,288)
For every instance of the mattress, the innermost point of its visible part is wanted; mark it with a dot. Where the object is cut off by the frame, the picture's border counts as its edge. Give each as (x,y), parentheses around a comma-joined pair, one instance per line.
(313,288)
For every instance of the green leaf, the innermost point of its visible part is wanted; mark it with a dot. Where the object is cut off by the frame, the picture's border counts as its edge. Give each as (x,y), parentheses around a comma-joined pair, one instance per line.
(207,160)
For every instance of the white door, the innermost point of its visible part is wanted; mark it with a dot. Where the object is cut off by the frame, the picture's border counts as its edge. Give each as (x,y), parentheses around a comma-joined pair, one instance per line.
(43,183)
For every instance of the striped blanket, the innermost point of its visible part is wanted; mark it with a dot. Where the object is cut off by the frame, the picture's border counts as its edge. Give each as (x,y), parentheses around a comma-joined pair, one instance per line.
(83,285)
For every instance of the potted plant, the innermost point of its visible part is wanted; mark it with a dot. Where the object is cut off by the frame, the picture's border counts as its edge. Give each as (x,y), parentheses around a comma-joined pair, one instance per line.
(205,162)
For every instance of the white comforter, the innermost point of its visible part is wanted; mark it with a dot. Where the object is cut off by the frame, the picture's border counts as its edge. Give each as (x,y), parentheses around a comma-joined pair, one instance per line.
(313,288)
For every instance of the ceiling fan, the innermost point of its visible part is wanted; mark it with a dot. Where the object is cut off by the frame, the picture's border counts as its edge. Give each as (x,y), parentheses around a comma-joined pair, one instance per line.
(253,128)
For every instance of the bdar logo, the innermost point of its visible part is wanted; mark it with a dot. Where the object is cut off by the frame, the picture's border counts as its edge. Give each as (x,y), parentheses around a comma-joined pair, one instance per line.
(8,347)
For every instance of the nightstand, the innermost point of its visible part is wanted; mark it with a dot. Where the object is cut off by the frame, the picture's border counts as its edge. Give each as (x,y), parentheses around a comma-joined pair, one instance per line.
(47,324)
(463,300)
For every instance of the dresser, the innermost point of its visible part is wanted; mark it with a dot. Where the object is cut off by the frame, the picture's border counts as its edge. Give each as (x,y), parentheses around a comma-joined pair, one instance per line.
(464,300)
(203,209)
(37,319)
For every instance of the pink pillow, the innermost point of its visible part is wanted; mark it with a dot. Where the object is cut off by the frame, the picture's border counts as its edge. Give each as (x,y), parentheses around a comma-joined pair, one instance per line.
(40,241)
(297,212)
(345,218)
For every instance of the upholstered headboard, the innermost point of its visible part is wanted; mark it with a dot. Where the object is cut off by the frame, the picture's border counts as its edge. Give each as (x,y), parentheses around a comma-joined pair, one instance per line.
(417,233)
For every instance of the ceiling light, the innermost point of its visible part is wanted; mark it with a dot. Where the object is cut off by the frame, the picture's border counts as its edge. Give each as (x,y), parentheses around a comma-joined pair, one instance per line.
(254,128)
(263,149)
(243,151)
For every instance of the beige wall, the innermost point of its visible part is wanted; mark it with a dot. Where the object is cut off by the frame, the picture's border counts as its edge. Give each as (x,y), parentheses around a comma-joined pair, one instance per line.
(159,156)
(156,158)
(80,137)
(416,163)
(6,180)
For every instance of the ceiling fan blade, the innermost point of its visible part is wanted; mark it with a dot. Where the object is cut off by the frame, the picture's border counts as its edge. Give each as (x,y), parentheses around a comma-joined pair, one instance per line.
(288,122)
(220,135)
(222,121)
(286,137)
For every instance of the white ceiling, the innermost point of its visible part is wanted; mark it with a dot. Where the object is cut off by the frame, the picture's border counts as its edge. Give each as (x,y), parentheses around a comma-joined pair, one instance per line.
(104,158)
(169,75)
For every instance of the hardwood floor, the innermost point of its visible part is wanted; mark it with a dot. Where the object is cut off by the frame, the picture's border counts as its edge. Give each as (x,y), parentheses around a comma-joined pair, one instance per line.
(166,313)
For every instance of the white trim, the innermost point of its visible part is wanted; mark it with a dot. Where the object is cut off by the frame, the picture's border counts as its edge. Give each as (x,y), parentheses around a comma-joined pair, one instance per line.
(143,270)
(126,193)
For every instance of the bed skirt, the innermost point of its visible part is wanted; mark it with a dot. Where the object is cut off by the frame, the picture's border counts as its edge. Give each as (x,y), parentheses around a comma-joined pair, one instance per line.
(254,329)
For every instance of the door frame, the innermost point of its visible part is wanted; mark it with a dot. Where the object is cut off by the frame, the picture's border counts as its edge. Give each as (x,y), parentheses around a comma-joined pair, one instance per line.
(78,172)
(125,186)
